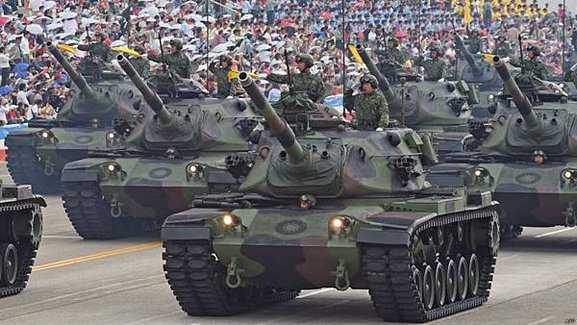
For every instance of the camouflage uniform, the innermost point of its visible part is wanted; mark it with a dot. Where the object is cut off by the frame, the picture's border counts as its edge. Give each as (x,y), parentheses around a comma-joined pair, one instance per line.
(371,109)
(475,44)
(225,86)
(435,68)
(535,66)
(503,49)
(99,54)
(390,60)
(303,82)
(177,62)
(141,65)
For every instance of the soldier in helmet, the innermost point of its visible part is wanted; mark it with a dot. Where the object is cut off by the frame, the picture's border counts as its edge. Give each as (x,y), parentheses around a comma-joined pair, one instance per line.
(370,105)
(435,68)
(140,64)
(475,42)
(391,59)
(225,86)
(502,49)
(533,65)
(176,60)
(303,82)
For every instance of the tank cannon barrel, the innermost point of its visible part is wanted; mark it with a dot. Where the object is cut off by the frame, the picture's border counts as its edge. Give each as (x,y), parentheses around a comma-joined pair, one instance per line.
(281,130)
(384,84)
(149,96)
(468,56)
(76,77)
(521,101)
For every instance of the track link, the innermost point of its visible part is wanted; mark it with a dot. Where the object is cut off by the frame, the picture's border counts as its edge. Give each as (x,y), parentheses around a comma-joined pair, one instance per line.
(25,169)
(389,271)
(197,281)
(90,214)
(26,249)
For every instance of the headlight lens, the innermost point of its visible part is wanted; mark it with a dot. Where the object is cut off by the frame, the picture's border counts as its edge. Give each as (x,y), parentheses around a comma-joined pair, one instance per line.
(569,174)
(340,224)
(229,220)
(194,170)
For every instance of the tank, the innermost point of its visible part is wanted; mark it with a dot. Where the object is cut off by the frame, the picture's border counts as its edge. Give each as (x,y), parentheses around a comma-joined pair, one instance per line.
(344,209)
(477,72)
(36,155)
(173,154)
(527,160)
(440,109)
(20,236)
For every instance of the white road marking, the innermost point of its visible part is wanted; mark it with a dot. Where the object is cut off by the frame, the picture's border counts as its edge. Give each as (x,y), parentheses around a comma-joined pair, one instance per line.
(61,236)
(541,321)
(554,232)
(314,293)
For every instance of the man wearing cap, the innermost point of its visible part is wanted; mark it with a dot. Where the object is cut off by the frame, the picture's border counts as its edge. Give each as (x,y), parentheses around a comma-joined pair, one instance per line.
(176,60)
(533,65)
(435,68)
(370,105)
(225,86)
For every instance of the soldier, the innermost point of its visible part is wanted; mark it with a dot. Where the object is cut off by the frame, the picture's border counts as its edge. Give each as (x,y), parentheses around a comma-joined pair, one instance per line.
(99,54)
(391,59)
(225,86)
(502,49)
(176,60)
(435,68)
(371,107)
(533,65)
(140,64)
(304,82)
(475,42)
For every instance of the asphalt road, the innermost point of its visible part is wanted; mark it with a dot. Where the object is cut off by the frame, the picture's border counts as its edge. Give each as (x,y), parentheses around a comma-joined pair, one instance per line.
(122,282)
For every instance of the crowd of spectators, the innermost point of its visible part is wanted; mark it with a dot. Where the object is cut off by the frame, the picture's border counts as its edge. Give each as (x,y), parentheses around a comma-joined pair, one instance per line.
(256,33)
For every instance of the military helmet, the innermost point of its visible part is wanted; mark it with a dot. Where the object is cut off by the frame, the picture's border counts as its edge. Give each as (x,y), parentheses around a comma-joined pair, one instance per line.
(140,49)
(307,59)
(535,49)
(176,43)
(226,58)
(434,48)
(368,78)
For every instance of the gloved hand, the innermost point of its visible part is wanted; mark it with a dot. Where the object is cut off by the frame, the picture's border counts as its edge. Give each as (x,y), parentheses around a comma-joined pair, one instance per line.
(380,129)
(441,80)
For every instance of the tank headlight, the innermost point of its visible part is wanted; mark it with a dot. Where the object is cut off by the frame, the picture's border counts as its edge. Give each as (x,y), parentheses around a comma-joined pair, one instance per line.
(491,97)
(45,134)
(194,170)
(111,135)
(569,174)
(112,167)
(229,220)
(339,225)
(480,172)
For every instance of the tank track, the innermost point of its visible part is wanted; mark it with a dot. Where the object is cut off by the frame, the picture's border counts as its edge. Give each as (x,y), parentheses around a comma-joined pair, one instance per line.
(90,214)
(389,271)
(197,282)
(26,250)
(24,169)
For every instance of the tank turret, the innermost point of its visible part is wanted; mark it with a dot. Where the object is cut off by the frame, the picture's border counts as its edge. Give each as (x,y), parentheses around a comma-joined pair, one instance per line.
(149,96)
(521,101)
(281,130)
(477,71)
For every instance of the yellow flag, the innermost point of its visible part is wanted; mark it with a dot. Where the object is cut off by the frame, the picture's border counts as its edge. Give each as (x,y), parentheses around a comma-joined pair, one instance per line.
(467,12)
(356,54)
(126,50)
(488,57)
(66,48)
(233,74)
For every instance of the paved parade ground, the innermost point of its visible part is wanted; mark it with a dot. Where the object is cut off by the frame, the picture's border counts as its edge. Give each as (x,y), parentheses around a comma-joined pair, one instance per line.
(121,282)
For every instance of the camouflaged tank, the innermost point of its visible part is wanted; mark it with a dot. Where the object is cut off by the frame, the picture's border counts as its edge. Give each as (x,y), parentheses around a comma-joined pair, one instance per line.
(334,208)
(527,160)
(482,74)
(441,109)
(36,155)
(172,155)
(20,235)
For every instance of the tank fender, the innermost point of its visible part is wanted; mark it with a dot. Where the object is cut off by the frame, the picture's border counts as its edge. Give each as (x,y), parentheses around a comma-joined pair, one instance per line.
(69,176)
(384,236)
(189,225)
(22,192)
(26,137)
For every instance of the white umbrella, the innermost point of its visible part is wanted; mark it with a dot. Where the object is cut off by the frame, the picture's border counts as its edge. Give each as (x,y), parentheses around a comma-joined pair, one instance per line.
(208,19)
(195,17)
(61,35)
(34,29)
(54,26)
(41,19)
(199,24)
(49,4)
(89,21)
(263,47)
(163,25)
(67,15)
(188,3)
(149,11)
(175,27)
(220,48)
(246,17)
